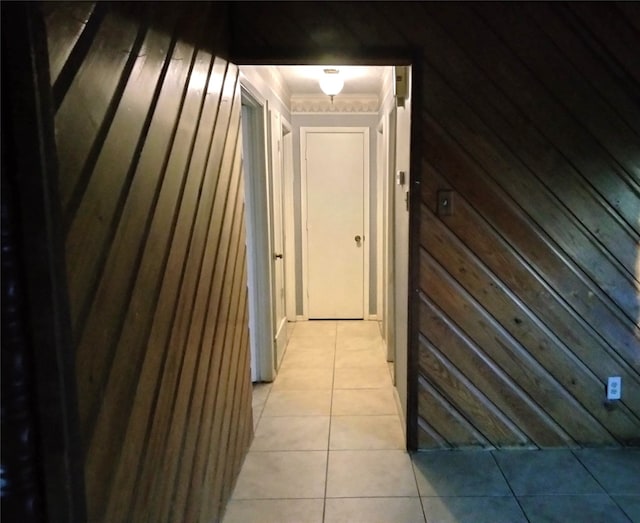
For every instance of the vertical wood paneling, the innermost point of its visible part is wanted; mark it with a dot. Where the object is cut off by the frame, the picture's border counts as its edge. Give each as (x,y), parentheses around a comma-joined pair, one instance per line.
(88,116)
(528,296)
(91,227)
(66,25)
(149,148)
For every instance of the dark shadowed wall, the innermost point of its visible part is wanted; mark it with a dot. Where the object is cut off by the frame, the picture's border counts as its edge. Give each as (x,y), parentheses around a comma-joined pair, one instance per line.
(147,118)
(526,297)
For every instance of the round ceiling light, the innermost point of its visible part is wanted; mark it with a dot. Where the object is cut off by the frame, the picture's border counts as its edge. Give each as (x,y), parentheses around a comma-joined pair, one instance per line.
(331,82)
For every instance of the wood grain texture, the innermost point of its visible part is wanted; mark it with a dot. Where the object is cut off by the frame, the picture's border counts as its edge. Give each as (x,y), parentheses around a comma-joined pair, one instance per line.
(527,297)
(148,134)
(66,26)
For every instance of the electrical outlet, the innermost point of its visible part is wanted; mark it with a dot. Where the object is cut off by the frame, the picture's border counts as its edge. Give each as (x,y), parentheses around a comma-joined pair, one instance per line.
(614,388)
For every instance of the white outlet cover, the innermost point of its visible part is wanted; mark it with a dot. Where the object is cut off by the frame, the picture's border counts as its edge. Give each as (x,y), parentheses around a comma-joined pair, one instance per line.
(614,388)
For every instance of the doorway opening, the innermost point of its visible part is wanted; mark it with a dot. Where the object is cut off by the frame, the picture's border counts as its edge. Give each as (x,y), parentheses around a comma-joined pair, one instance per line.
(283,125)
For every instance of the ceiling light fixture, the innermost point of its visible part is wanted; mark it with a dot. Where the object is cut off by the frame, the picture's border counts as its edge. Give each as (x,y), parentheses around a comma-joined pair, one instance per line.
(331,82)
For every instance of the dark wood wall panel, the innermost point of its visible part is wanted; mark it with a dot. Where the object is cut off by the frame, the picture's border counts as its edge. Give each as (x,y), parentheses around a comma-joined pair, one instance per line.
(564,323)
(490,379)
(66,24)
(600,264)
(116,40)
(526,298)
(148,137)
(480,411)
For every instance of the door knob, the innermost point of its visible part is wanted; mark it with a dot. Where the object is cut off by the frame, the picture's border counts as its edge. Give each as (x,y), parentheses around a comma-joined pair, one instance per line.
(277,256)
(357,238)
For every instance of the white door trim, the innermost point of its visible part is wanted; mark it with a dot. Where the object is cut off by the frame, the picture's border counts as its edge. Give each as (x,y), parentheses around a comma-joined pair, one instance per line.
(380,178)
(389,242)
(258,239)
(276,229)
(303,208)
(289,223)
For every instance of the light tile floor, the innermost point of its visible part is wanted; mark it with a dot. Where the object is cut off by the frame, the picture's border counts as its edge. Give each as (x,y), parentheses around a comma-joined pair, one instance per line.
(329,447)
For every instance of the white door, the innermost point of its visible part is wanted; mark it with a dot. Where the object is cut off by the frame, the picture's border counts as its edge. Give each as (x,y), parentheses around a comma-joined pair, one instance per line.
(335,223)
(277,235)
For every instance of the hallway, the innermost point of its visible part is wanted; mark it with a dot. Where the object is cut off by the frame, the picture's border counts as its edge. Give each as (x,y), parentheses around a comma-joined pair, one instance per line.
(328,447)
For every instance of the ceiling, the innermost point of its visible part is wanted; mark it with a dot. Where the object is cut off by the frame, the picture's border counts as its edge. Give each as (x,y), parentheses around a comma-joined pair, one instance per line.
(303,79)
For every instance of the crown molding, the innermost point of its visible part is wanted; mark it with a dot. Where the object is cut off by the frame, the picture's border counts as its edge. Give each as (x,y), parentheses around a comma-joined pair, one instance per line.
(342,103)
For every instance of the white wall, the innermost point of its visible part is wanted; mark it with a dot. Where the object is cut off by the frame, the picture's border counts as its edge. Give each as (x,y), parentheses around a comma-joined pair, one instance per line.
(401,247)
(269,84)
(386,124)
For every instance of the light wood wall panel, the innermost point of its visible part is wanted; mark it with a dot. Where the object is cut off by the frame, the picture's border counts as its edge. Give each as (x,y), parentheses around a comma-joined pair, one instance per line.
(149,147)
(527,297)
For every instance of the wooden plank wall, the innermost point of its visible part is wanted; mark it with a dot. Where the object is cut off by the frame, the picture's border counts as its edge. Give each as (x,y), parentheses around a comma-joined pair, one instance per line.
(526,298)
(147,115)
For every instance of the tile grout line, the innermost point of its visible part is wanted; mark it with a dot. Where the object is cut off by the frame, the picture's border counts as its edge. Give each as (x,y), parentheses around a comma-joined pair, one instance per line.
(333,377)
(577,458)
(415,478)
(266,398)
(509,485)
(606,491)
(264,404)
(272,383)
(331,414)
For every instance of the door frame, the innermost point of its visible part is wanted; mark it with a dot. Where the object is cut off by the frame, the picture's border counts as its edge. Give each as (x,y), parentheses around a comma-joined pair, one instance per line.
(381,176)
(303,210)
(289,219)
(277,231)
(362,55)
(259,242)
(389,212)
